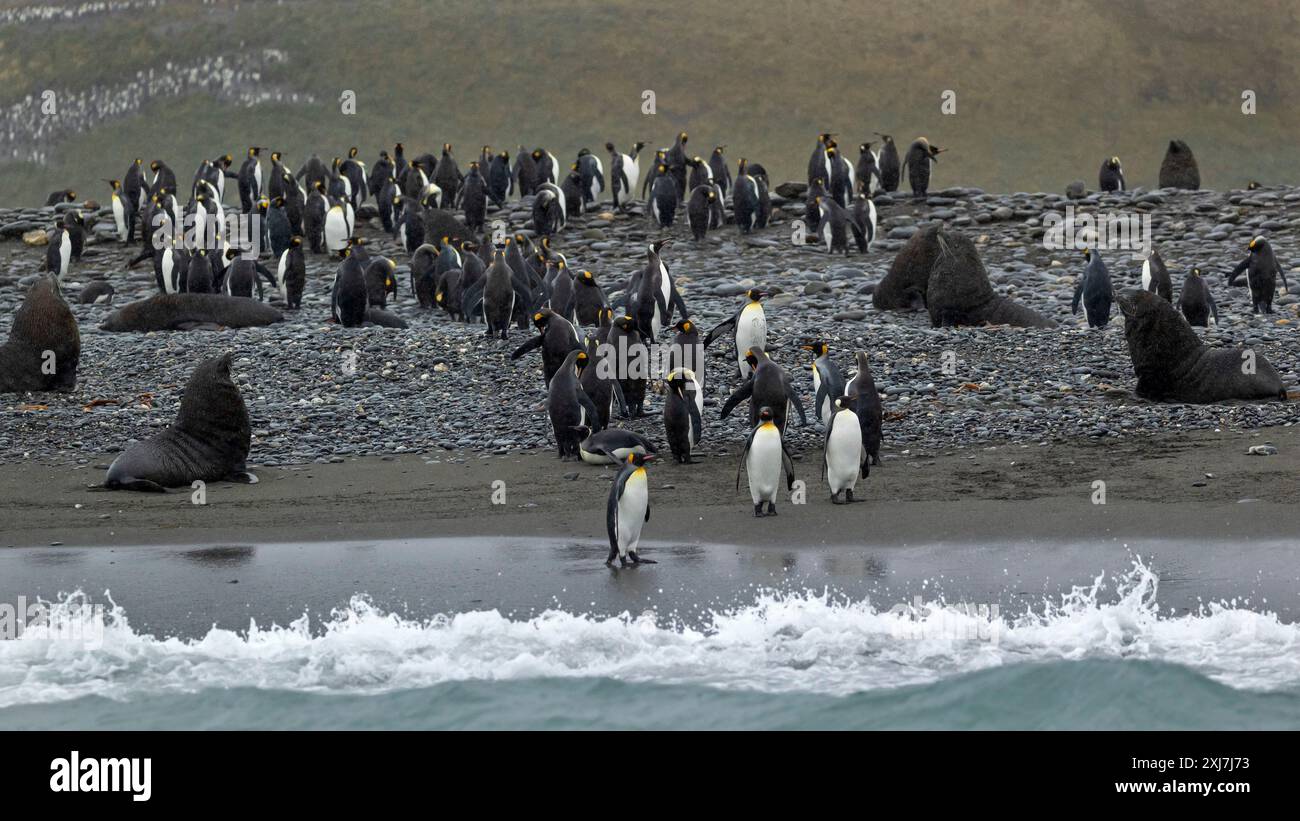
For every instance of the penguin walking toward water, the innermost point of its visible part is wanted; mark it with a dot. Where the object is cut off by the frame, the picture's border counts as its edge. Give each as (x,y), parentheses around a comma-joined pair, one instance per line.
(888,162)
(291,274)
(250,180)
(1196,301)
(828,382)
(1262,271)
(683,424)
(749,329)
(843,458)
(1094,289)
(917,164)
(1155,277)
(1111,176)
(628,511)
(764,459)
(349,298)
(663,198)
(699,210)
(568,406)
(864,401)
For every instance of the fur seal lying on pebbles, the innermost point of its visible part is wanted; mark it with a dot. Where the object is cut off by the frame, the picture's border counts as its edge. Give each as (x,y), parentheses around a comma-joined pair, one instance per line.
(44,344)
(209,440)
(184,312)
(959,292)
(1173,366)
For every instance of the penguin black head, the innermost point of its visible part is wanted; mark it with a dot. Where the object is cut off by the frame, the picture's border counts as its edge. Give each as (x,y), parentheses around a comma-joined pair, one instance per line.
(684,326)
(682,136)
(155,165)
(818,347)
(580,361)
(587,278)
(227,160)
(537,153)
(1113,162)
(231,253)
(278,202)
(583,431)
(1258,244)
(765,414)
(609,147)
(114,184)
(1087,255)
(253,151)
(1196,272)
(138,161)
(662,169)
(888,139)
(843,403)
(712,195)
(639,459)
(756,294)
(352,153)
(625,322)
(865,148)
(659,245)
(1252,185)
(717,150)
(295,241)
(542,317)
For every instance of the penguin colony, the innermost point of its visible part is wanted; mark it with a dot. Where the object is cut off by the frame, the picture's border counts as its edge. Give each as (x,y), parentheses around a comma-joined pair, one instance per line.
(595,353)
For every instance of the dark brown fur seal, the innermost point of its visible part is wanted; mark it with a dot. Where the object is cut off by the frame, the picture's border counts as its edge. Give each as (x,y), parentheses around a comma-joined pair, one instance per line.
(959,292)
(904,288)
(1179,169)
(209,440)
(1172,364)
(183,312)
(44,322)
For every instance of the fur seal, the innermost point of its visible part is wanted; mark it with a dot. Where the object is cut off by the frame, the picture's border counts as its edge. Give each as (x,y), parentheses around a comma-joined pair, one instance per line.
(43,323)
(98,292)
(959,292)
(184,312)
(905,286)
(1172,364)
(209,440)
(1179,169)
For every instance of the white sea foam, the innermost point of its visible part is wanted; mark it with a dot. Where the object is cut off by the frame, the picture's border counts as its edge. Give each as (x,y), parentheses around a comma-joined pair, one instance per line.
(778,643)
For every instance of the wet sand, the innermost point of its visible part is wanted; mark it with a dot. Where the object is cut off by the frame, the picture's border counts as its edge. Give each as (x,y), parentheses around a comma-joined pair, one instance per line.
(953,495)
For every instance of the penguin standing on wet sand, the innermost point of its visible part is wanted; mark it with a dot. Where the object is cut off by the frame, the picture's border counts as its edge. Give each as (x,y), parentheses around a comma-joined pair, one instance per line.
(628,511)
(843,459)
(917,164)
(1111,176)
(1155,277)
(749,326)
(764,458)
(1094,289)
(683,424)
(864,400)
(887,160)
(1196,301)
(1262,272)
(568,406)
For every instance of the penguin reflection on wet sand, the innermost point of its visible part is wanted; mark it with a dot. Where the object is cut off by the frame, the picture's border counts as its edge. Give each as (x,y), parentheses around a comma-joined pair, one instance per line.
(628,511)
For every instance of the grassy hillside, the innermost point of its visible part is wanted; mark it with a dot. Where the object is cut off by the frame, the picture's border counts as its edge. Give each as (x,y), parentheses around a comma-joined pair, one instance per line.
(1045,90)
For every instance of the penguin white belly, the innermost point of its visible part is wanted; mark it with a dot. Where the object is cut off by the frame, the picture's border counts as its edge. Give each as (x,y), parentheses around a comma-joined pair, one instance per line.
(201,228)
(594,458)
(826,231)
(351,217)
(633,173)
(1146,275)
(763,464)
(279,275)
(875,178)
(168,267)
(871,217)
(257,176)
(336,229)
(65,255)
(853,177)
(844,451)
(631,512)
(751,332)
(119,217)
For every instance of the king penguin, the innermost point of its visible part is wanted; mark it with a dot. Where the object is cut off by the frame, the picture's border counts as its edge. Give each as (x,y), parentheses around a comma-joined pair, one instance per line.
(628,511)
(1094,290)
(764,459)
(843,458)
(749,326)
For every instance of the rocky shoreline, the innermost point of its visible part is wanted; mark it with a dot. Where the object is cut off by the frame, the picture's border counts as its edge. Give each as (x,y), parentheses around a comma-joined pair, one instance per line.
(439,386)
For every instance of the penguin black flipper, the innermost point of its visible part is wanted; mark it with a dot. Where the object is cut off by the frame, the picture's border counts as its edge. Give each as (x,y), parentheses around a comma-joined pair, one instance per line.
(588,407)
(611,513)
(717,329)
(522,297)
(748,442)
(742,393)
(472,300)
(535,342)
(622,402)
(676,303)
(788,464)
(697,423)
(859,236)
(1236,272)
(1286,286)
(798,405)
(1078,294)
(270,277)
(1214,308)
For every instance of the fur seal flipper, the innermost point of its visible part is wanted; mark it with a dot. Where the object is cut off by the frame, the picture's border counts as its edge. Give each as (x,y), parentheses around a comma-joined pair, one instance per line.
(209,440)
(174,312)
(1172,364)
(44,345)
